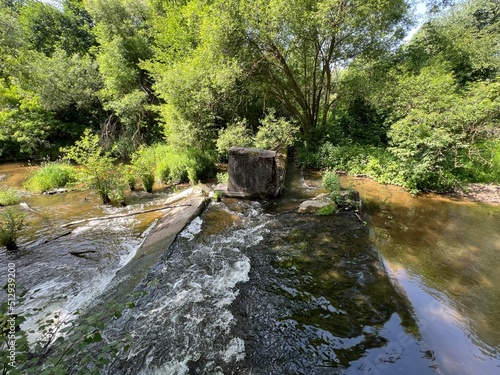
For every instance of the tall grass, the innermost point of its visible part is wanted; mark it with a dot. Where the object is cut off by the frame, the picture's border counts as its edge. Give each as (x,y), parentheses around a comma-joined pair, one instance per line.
(171,166)
(11,222)
(51,175)
(9,197)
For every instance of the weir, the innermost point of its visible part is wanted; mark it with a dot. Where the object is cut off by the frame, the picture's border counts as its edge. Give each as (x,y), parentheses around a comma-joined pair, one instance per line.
(250,287)
(190,204)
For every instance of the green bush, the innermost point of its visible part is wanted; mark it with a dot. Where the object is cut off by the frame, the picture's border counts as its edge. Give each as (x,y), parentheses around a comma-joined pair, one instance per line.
(97,167)
(9,197)
(144,162)
(482,163)
(236,134)
(375,162)
(171,166)
(173,169)
(11,222)
(51,175)
(275,132)
(327,210)
(331,182)
(222,178)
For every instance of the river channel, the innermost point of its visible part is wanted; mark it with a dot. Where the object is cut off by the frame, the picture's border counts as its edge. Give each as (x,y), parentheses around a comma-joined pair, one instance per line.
(409,286)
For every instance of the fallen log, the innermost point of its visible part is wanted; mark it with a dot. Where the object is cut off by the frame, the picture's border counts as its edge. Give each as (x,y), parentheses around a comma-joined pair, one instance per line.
(121,215)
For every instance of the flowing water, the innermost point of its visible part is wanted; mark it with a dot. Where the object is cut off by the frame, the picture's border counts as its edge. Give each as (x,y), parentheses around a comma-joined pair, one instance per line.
(254,288)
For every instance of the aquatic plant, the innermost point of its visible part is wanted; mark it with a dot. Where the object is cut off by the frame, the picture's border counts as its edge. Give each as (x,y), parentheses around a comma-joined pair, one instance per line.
(9,197)
(51,175)
(331,182)
(217,196)
(11,222)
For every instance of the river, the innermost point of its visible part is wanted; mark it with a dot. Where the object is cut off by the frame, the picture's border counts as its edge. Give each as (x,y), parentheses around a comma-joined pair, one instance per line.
(254,288)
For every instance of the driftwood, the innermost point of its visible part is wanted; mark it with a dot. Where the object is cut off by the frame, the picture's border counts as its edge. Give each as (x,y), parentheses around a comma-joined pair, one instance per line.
(56,238)
(81,253)
(121,215)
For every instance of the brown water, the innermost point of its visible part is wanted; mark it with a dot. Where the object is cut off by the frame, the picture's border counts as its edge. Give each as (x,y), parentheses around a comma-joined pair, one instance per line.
(445,255)
(253,288)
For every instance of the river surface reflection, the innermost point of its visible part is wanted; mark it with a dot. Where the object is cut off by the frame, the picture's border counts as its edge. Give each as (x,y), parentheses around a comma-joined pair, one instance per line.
(445,256)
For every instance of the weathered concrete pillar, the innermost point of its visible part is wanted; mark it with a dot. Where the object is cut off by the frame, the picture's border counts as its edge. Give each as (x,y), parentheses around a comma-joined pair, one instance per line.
(253,173)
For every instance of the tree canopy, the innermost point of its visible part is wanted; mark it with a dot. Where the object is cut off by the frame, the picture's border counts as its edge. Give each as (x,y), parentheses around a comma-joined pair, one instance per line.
(181,72)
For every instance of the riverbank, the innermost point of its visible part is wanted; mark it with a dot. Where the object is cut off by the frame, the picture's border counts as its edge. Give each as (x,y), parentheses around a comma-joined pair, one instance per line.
(482,193)
(471,192)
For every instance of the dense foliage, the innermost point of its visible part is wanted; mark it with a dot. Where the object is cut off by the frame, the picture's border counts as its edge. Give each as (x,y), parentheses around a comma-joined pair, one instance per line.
(202,75)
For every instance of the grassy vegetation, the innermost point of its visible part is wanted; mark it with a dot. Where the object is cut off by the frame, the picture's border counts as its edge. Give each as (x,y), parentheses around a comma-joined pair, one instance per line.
(11,222)
(222,178)
(331,182)
(9,197)
(169,165)
(51,175)
(480,164)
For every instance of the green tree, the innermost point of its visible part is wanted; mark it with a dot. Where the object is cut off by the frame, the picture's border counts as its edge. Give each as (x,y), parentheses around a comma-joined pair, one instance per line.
(297,49)
(47,28)
(197,82)
(49,82)
(121,29)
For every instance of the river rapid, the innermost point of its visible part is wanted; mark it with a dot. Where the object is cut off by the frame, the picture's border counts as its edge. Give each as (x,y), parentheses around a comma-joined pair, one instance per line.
(411,286)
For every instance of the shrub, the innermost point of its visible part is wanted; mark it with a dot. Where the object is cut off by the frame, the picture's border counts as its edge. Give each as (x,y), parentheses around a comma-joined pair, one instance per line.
(375,162)
(172,169)
(51,175)
(11,222)
(129,176)
(222,178)
(170,165)
(144,164)
(482,162)
(9,197)
(236,134)
(98,168)
(217,196)
(331,182)
(275,132)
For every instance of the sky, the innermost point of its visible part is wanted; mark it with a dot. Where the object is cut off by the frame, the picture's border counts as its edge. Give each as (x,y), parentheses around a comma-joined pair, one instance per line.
(421,9)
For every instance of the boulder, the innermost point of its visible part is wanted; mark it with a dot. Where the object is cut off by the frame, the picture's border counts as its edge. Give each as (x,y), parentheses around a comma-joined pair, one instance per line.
(313,206)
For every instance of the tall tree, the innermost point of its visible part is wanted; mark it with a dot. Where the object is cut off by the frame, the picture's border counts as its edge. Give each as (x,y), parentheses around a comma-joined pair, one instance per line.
(196,81)
(296,48)
(121,29)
